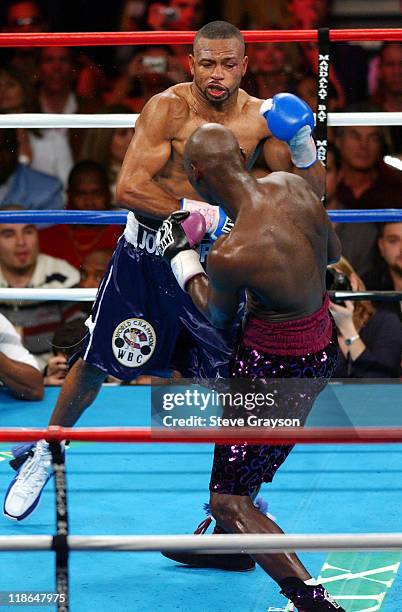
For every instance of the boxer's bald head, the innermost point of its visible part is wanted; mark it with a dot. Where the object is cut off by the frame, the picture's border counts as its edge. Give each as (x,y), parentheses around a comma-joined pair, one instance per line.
(210,142)
(214,161)
(211,154)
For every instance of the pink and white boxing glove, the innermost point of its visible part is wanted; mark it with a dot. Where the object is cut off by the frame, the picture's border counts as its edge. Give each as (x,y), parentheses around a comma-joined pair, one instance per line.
(290,119)
(217,221)
(176,239)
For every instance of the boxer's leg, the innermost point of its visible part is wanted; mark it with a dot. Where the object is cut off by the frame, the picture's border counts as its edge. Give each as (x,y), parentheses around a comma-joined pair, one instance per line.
(132,330)
(239,469)
(79,390)
(238,514)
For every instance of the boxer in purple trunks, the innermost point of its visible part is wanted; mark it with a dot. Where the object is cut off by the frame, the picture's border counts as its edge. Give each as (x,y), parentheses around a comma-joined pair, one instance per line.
(278,251)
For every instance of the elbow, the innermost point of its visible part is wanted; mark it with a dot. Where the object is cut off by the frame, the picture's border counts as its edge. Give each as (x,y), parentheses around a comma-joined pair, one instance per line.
(34,390)
(122,192)
(29,394)
(130,191)
(34,393)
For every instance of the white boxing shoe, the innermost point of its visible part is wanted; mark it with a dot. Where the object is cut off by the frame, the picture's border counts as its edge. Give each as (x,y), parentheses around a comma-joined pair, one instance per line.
(24,492)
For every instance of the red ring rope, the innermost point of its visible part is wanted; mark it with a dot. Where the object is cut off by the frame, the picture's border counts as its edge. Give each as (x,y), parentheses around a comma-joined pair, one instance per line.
(227,435)
(78,39)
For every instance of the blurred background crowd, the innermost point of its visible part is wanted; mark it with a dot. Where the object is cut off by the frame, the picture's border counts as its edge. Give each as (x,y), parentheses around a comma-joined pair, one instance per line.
(76,169)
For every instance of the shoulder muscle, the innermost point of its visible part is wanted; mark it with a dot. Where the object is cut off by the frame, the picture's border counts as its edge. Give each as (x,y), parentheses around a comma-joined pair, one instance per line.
(162,115)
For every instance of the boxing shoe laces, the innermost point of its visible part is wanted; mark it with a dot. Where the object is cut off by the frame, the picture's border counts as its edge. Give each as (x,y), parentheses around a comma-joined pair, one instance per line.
(309,598)
(25,490)
(21,452)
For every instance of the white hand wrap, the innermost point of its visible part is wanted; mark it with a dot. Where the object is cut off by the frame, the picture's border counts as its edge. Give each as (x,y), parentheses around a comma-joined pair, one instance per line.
(185,265)
(302,148)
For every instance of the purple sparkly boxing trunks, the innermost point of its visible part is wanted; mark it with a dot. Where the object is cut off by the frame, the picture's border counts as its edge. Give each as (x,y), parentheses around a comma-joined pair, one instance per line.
(240,469)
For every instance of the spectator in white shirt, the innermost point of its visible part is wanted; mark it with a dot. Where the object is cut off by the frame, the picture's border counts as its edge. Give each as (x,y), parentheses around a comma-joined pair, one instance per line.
(21,265)
(57,150)
(19,370)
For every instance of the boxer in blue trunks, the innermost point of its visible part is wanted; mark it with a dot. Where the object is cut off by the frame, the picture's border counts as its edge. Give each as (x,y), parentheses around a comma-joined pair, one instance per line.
(278,252)
(139,312)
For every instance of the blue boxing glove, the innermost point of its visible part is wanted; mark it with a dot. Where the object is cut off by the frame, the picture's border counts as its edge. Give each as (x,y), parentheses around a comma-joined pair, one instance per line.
(217,221)
(290,119)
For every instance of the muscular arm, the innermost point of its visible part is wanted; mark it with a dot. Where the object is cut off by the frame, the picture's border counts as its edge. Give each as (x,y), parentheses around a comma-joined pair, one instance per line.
(277,157)
(148,152)
(216,295)
(21,379)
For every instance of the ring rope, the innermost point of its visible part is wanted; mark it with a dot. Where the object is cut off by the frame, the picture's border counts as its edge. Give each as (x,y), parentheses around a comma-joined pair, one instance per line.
(213,543)
(52,295)
(52,120)
(120,217)
(28,294)
(222,435)
(80,39)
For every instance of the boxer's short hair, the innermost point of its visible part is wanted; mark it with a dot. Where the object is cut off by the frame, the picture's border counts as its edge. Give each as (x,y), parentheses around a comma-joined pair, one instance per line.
(219,30)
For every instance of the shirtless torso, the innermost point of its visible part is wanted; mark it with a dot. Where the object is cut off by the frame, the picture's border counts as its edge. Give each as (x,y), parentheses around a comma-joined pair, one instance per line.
(279,249)
(281,242)
(153,178)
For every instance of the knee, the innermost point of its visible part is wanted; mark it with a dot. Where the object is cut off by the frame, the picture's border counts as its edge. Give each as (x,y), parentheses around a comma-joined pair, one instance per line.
(227,508)
(89,371)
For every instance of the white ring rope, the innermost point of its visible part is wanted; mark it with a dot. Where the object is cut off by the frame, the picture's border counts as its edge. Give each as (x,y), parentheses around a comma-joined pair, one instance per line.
(28,294)
(43,120)
(214,543)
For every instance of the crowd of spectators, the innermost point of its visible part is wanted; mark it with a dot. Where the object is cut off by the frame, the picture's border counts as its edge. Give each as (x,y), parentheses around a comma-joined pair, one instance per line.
(76,169)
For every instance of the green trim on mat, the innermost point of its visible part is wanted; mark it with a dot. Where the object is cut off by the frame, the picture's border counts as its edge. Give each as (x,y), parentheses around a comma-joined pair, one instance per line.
(359,581)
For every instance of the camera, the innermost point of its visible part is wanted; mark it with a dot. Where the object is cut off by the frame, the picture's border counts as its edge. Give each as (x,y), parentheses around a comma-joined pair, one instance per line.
(337,281)
(169,14)
(155,64)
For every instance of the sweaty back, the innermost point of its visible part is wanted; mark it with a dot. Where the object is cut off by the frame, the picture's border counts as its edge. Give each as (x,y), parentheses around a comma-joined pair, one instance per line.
(286,265)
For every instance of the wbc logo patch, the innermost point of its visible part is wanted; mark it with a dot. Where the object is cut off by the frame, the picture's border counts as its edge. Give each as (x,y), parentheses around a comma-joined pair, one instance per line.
(133,342)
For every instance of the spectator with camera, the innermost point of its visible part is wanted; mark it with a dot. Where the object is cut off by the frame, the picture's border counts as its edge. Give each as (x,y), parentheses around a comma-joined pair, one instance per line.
(386,271)
(24,17)
(370,339)
(177,15)
(19,370)
(150,71)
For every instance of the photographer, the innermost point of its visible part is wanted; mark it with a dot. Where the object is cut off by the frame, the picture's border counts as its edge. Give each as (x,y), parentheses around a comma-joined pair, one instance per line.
(149,72)
(370,340)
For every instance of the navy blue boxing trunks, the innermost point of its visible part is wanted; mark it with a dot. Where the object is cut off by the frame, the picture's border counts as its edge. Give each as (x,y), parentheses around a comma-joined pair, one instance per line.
(143,323)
